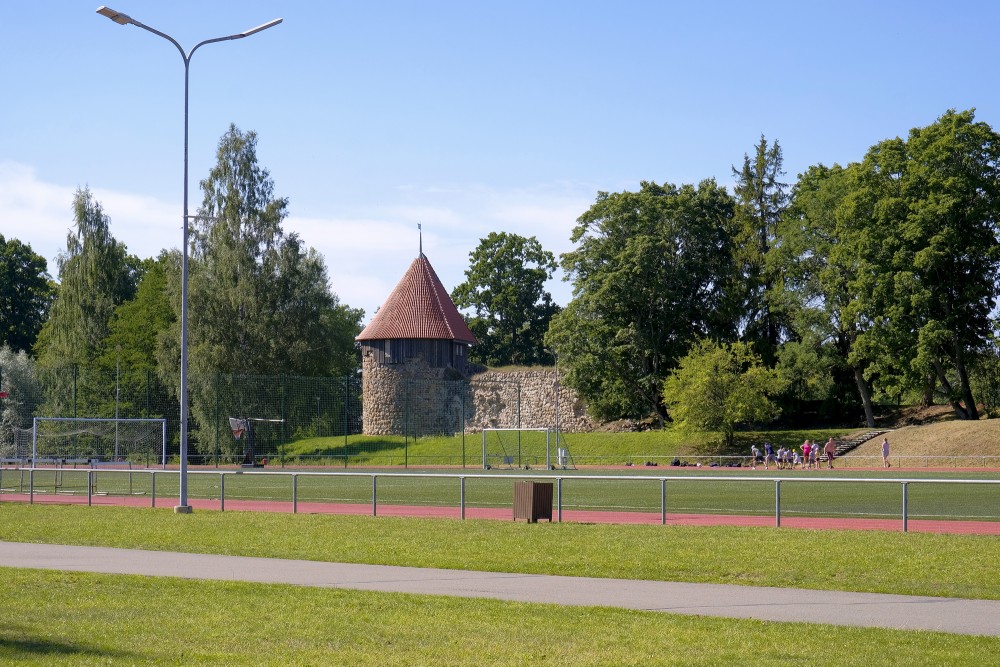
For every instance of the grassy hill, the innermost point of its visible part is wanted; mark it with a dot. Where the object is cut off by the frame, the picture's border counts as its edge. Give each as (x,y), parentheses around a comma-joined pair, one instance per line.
(915,431)
(943,438)
(598,448)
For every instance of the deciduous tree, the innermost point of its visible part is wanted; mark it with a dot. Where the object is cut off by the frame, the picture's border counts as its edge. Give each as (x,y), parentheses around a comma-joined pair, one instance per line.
(718,387)
(652,272)
(924,223)
(505,289)
(816,262)
(96,275)
(260,301)
(24,392)
(26,291)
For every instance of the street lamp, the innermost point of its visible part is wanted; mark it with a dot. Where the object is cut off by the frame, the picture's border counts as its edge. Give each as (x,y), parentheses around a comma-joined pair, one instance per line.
(118,391)
(125,19)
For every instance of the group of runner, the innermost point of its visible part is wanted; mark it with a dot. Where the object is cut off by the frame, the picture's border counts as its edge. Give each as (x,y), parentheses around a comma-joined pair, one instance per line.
(806,457)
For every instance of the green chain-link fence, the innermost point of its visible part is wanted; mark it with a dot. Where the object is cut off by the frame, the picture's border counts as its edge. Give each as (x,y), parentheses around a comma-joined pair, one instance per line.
(294,418)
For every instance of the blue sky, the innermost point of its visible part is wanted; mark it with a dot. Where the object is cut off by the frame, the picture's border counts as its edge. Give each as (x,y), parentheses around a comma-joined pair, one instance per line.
(467,117)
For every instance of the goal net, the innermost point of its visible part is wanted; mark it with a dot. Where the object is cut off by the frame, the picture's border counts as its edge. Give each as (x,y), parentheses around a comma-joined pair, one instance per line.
(518,448)
(136,441)
(17,447)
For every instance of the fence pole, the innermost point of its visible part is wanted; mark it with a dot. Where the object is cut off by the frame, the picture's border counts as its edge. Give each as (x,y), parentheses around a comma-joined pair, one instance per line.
(284,415)
(559,481)
(218,418)
(295,493)
(31,486)
(222,492)
(374,495)
(777,503)
(461,496)
(152,489)
(465,390)
(90,488)
(663,502)
(904,505)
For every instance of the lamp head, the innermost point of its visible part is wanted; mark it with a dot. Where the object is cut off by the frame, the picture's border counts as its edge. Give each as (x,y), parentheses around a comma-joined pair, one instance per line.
(265,26)
(117,17)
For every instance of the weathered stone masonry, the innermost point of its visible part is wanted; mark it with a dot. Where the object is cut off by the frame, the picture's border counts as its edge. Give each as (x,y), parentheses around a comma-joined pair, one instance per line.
(525,398)
(417,399)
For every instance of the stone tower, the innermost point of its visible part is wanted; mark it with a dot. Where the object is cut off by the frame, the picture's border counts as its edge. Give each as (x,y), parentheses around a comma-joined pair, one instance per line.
(414,345)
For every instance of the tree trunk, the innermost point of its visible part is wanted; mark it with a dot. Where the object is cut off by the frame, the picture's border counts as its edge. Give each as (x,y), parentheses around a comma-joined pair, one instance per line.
(963,376)
(866,396)
(930,382)
(960,411)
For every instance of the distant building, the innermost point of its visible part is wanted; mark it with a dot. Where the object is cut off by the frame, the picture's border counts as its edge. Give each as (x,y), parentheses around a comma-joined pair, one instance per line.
(416,342)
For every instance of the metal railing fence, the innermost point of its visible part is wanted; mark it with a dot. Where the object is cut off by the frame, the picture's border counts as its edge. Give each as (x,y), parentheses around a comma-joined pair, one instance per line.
(848,460)
(344,492)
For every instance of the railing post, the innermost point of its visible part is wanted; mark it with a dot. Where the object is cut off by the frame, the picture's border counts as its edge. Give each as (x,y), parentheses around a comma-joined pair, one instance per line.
(90,488)
(152,489)
(559,497)
(461,496)
(777,503)
(222,492)
(904,505)
(295,493)
(663,502)
(31,486)
(374,495)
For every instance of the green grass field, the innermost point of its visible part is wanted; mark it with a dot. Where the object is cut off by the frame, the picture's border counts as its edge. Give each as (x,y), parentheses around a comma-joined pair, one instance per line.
(85,619)
(808,493)
(527,448)
(871,561)
(52,618)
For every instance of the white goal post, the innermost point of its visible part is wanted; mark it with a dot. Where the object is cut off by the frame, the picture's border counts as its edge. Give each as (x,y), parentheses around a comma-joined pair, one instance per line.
(99,440)
(506,446)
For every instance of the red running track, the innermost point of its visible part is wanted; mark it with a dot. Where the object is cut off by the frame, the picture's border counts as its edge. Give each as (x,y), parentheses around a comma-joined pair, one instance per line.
(503,513)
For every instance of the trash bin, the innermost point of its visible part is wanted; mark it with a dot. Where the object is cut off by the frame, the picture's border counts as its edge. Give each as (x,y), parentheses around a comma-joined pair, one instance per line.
(533,501)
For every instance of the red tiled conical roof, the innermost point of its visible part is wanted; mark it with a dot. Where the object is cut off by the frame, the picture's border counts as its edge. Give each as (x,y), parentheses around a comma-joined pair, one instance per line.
(419,307)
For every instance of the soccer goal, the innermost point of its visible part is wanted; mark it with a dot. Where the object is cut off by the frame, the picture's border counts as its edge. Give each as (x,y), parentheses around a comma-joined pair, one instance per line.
(517,447)
(134,441)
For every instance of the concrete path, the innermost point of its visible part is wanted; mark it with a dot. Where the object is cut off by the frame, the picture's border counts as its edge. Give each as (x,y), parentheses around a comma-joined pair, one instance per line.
(974,617)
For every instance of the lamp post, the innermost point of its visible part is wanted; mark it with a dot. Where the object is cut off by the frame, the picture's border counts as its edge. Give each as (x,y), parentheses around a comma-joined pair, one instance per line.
(124,19)
(118,391)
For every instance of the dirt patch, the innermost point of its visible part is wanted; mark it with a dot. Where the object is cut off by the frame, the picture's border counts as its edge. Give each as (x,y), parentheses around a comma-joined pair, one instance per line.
(628,426)
(915,415)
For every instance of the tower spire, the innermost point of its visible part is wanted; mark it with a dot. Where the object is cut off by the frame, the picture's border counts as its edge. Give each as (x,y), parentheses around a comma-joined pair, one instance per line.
(420,233)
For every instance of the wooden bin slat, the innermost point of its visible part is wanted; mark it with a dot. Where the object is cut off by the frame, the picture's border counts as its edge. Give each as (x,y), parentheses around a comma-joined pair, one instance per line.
(532,501)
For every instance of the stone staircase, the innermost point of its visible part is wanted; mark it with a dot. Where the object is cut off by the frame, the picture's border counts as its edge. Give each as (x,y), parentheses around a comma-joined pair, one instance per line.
(847,444)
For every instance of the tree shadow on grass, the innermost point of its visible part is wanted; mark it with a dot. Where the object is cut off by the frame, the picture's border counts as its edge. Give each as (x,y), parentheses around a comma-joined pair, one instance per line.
(365,446)
(28,647)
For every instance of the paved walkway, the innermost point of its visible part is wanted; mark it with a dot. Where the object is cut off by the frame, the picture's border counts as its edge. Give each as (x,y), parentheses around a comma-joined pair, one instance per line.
(975,617)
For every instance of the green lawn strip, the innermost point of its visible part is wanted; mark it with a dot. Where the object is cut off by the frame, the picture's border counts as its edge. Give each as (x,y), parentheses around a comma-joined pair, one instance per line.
(529,448)
(872,561)
(57,618)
